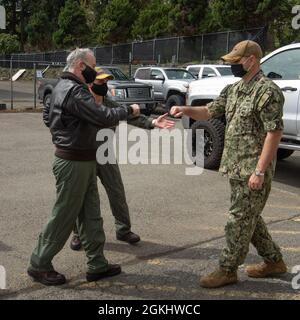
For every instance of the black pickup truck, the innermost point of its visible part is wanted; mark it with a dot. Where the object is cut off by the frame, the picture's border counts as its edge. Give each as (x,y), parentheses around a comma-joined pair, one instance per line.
(121,89)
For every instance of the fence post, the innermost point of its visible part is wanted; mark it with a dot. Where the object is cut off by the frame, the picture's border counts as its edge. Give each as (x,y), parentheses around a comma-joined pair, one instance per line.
(177,52)
(34,83)
(202,44)
(130,60)
(173,63)
(11,84)
(112,54)
(132,51)
(153,48)
(227,45)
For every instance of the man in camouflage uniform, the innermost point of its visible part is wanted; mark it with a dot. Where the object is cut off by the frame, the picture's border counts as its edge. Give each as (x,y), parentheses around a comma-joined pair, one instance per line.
(253,110)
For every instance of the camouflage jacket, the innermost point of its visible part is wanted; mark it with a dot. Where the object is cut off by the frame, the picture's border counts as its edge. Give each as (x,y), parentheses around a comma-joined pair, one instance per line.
(251,110)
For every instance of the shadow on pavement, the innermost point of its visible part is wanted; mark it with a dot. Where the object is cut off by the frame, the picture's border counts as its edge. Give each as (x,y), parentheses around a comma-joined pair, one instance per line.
(288,171)
(149,250)
(177,284)
(4,247)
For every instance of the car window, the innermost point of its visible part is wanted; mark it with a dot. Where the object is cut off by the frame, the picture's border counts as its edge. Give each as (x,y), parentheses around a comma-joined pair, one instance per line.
(194,70)
(224,71)
(143,74)
(117,73)
(177,74)
(207,71)
(155,72)
(284,65)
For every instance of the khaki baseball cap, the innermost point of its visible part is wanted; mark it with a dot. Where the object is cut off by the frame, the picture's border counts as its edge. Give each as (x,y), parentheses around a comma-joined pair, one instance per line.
(242,49)
(101,74)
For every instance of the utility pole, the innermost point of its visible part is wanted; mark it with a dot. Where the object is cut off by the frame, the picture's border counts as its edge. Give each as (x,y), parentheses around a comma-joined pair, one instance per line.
(20,9)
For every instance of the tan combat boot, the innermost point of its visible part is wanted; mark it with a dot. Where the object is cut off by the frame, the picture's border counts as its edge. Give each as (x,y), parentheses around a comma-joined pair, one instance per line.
(266,269)
(218,278)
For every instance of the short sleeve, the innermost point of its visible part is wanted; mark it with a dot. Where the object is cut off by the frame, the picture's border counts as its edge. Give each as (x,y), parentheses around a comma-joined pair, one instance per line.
(217,107)
(270,107)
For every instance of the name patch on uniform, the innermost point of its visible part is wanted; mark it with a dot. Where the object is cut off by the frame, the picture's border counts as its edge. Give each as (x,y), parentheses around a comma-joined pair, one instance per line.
(264,99)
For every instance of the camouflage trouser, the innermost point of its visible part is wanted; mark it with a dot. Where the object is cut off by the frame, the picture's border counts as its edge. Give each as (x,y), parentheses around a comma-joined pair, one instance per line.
(246,225)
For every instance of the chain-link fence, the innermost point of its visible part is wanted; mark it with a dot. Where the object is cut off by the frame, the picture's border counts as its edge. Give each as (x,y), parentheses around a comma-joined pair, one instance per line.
(178,50)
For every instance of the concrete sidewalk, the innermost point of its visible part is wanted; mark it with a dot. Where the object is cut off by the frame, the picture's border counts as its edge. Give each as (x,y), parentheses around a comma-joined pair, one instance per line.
(179,218)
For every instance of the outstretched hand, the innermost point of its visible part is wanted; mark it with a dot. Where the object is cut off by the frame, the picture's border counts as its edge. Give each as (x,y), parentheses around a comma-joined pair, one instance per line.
(163,123)
(176,111)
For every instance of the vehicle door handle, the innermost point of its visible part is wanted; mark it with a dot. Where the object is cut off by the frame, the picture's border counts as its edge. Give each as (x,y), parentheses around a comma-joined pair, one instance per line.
(289,89)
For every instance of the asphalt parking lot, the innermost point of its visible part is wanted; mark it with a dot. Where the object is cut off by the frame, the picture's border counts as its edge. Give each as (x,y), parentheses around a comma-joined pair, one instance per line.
(180,219)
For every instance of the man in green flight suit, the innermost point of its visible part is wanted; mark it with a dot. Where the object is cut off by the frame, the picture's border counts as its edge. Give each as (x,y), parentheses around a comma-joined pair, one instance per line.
(253,108)
(109,173)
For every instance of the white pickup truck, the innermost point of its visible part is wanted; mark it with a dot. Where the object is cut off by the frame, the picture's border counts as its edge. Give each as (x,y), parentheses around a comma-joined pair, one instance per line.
(282,66)
(202,71)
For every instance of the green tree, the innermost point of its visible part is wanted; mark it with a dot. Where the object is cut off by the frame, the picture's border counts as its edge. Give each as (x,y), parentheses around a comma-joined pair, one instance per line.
(9,43)
(116,21)
(242,14)
(39,31)
(72,26)
(40,28)
(186,16)
(98,7)
(153,20)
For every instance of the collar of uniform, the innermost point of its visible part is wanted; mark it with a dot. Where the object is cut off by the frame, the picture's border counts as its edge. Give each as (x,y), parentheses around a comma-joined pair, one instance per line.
(72,76)
(247,87)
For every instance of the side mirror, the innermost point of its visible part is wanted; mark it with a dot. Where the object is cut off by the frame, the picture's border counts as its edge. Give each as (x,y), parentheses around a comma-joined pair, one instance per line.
(161,78)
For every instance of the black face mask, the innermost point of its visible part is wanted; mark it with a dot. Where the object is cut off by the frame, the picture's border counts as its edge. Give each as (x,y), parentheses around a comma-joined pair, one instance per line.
(89,74)
(100,89)
(238,70)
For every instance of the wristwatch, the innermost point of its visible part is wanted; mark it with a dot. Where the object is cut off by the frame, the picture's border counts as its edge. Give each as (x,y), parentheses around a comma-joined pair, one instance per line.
(259,173)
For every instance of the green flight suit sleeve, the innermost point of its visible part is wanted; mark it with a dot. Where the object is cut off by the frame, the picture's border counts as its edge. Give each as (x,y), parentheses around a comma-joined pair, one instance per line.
(141,121)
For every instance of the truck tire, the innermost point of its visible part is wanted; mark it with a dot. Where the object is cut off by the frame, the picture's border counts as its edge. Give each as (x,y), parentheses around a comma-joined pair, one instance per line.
(46,101)
(214,131)
(174,100)
(284,153)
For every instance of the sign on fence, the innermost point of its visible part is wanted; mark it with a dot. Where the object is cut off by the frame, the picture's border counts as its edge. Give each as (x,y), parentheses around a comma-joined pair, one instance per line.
(18,74)
(2,18)
(39,74)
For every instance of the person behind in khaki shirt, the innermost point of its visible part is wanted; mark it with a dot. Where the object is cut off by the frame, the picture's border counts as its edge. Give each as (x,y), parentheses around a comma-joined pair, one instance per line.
(253,109)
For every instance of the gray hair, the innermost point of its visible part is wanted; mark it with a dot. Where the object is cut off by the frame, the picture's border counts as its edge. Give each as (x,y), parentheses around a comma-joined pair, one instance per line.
(77,54)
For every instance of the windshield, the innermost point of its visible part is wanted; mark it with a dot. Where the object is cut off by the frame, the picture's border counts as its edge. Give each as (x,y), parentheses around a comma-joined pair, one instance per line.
(225,71)
(117,73)
(178,74)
